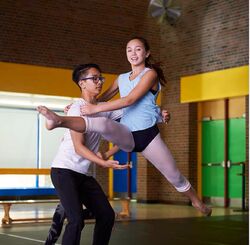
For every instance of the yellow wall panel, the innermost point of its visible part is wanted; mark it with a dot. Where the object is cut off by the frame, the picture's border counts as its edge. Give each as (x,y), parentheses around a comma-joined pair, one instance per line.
(215,85)
(21,78)
(32,79)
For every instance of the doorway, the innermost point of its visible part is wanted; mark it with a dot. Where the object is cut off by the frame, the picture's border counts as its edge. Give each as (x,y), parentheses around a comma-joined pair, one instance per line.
(223,151)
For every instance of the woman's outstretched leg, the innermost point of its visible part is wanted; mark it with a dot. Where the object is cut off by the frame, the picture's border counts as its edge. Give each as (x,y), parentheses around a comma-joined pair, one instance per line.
(112,131)
(54,120)
(160,156)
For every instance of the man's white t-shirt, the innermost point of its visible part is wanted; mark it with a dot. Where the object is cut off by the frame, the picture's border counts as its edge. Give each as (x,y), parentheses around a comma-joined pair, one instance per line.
(66,156)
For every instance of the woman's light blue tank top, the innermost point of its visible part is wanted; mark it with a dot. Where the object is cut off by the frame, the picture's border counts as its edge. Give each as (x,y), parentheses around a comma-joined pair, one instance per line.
(144,113)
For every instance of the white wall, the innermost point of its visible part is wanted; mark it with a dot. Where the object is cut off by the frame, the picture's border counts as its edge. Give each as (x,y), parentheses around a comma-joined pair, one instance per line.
(24,140)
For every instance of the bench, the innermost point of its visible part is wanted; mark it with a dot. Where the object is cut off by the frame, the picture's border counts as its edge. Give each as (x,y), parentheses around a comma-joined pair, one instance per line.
(8,197)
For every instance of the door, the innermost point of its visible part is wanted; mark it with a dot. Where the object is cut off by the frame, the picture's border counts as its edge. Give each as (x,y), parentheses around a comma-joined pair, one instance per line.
(214,180)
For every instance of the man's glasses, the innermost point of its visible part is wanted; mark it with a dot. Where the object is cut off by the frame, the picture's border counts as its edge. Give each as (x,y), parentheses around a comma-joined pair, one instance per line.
(95,80)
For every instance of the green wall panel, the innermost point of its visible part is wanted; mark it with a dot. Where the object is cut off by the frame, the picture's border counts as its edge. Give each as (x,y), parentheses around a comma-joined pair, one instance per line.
(213,181)
(237,140)
(235,182)
(213,141)
(213,152)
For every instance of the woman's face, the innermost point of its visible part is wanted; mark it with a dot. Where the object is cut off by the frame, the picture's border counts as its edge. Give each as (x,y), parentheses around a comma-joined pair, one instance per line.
(136,53)
(92,82)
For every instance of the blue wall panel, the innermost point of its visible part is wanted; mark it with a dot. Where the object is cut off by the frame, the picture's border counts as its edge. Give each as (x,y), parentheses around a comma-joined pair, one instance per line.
(120,176)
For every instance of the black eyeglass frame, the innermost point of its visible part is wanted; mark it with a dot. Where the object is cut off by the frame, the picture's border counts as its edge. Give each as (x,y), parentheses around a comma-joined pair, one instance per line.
(95,80)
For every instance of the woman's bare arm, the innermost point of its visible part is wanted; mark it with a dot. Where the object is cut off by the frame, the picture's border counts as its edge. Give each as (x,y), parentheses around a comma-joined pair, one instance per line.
(148,80)
(109,93)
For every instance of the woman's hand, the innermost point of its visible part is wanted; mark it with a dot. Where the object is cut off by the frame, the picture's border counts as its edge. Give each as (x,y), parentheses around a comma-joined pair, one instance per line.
(165,116)
(88,109)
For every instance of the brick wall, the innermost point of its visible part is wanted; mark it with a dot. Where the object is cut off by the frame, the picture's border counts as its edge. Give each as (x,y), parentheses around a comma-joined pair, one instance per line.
(102,173)
(64,33)
(210,35)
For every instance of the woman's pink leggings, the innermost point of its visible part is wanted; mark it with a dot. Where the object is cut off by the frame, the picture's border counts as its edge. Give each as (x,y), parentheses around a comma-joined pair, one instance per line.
(156,152)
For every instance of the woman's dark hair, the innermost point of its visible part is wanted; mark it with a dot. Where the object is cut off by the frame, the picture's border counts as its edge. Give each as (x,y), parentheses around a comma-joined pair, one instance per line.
(80,71)
(149,61)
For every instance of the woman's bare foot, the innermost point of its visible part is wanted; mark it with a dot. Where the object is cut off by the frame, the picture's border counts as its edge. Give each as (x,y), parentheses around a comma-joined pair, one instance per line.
(207,211)
(52,119)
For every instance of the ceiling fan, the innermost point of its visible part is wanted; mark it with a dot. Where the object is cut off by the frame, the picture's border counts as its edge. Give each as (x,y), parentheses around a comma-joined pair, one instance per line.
(164,11)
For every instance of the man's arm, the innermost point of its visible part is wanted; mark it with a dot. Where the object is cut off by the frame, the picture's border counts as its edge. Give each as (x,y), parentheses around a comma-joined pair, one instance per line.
(109,153)
(80,148)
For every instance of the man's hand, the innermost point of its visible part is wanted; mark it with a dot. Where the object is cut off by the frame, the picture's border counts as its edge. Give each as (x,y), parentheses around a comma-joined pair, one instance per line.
(115,165)
(88,109)
(66,109)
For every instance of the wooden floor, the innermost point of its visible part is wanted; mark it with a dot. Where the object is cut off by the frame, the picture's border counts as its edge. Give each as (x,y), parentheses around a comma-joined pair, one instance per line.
(150,224)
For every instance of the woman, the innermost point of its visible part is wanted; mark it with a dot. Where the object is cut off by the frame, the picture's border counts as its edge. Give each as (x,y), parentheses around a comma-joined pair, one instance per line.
(138,89)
